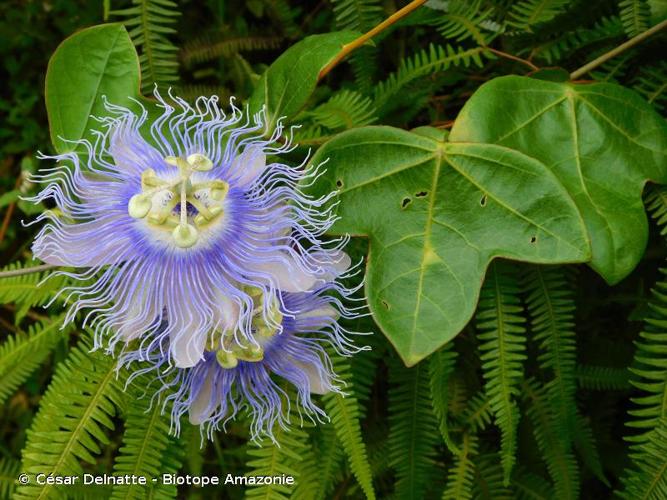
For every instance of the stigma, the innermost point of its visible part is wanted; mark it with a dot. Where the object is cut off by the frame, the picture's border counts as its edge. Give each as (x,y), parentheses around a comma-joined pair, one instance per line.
(180,205)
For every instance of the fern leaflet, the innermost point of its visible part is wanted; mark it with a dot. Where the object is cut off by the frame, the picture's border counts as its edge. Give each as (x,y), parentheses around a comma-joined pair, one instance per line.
(146,446)
(556,451)
(635,15)
(149,24)
(441,366)
(550,304)
(649,478)
(22,353)
(344,412)
(501,332)
(74,416)
(413,432)
(461,475)
(649,370)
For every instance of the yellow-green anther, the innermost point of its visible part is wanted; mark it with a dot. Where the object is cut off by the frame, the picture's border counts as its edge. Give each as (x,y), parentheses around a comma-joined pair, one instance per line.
(207,215)
(177,161)
(199,162)
(226,359)
(219,189)
(149,179)
(253,354)
(185,235)
(139,206)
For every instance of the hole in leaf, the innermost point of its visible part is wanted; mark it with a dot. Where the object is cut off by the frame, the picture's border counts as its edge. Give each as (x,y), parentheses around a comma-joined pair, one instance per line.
(406,201)
(421,194)
(533,239)
(385,304)
(339,183)
(482,202)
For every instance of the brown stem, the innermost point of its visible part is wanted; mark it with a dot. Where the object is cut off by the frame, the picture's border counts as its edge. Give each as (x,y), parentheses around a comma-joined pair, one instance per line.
(355,44)
(513,58)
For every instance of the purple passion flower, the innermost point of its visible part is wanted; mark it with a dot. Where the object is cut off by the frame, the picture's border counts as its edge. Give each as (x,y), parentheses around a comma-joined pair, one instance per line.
(177,220)
(234,377)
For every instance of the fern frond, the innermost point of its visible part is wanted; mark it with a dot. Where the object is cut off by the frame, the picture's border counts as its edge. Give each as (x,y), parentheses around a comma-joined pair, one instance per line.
(649,369)
(28,290)
(648,478)
(527,13)
(149,23)
(413,429)
(358,15)
(602,378)
(344,110)
(344,412)
(478,413)
(327,462)
(441,364)
(286,15)
(500,323)
(489,482)
(550,305)
(464,20)
(74,417)
(586,446)
(435,59)
(210,47)
(529,486)
(607,29)
(285,456)
(652,84)
(656,204)
(148,450)
(555,450)
(635,15)
(22,353)
(461,475)
(9,471)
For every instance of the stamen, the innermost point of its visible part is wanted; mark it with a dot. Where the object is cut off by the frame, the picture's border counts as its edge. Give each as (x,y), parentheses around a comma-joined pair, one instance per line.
(159,210)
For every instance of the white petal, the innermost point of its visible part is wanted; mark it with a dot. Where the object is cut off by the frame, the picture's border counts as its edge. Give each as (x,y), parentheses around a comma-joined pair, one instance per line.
(201,408)
(248,165)
(287,275)
(227,313)
(317,385)
(140,316)
(187,347)
(325,316)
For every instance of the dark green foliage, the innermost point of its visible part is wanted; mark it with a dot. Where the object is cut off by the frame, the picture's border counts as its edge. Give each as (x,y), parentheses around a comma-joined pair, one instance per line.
(500,322)
(74,419)
(22,353)
(413,433)
(148,449)
(529,401)
(150,24)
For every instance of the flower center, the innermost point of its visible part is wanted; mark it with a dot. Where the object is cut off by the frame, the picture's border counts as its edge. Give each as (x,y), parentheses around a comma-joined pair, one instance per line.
(165,203)
(265,325)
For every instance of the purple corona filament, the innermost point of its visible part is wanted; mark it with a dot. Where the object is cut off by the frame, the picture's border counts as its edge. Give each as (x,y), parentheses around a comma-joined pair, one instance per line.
(251,378)
(175,228)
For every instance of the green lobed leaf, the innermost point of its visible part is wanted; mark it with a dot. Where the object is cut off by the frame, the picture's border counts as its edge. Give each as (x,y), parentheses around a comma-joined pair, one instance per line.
(436,214)
(601,140)
(288,83)
(92,63)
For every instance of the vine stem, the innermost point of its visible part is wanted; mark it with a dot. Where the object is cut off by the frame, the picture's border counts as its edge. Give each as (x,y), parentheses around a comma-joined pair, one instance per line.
(26,270)
(358,42)
(513,58)
(617,50)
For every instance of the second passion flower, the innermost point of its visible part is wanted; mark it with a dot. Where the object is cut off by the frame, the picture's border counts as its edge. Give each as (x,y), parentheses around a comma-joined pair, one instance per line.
(176,220)
(289,353)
